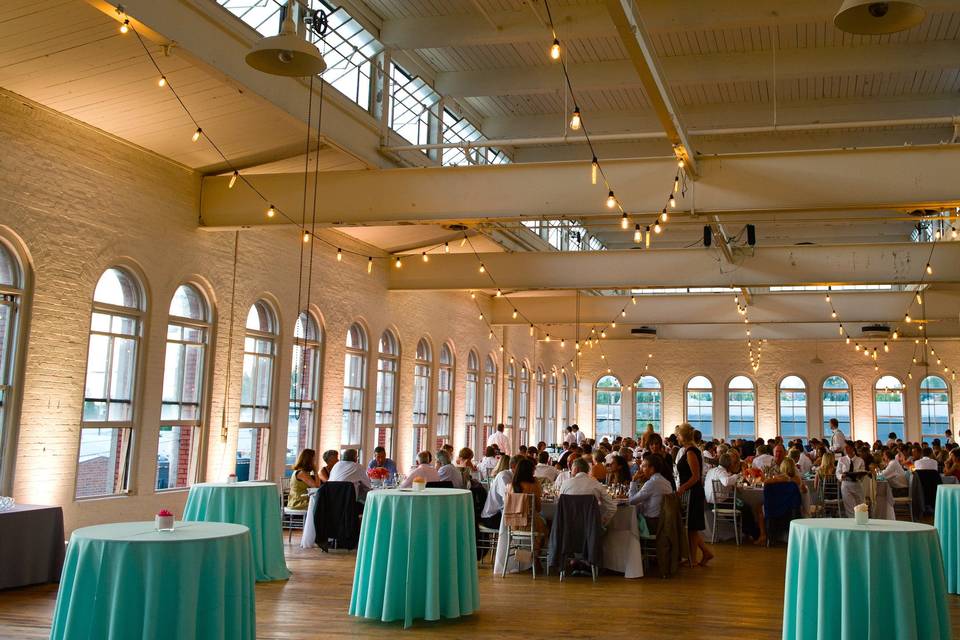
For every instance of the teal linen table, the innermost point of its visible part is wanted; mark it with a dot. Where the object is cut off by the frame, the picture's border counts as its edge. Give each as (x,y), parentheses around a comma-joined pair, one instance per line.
(417,556)
(947,520)
(128,580)
(879,580)
(253,504)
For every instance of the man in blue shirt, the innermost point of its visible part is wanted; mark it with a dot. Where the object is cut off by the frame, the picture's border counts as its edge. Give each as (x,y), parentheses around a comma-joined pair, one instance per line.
(380,459)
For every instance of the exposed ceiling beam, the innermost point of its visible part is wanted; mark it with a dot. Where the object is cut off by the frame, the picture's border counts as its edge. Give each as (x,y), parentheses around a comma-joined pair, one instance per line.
(760,267)
(889,178)
(593,20)
(641,53)
(749,66)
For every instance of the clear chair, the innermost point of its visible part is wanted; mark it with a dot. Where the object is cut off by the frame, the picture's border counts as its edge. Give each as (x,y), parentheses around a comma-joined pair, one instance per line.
(292,520)
(902,503)
(725,510)
(487,542)
(830,500)
(521,532)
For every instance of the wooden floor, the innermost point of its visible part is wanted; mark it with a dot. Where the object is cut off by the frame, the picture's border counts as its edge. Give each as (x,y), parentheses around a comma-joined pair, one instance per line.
(739,596)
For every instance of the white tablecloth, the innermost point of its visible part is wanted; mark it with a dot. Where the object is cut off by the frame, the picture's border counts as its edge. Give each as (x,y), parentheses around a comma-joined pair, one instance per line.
(309,538)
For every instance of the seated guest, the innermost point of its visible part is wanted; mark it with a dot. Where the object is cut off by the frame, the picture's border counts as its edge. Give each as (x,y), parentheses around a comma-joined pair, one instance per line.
(647,490)
(727,472)
(891,439)
(894,474)
(544,469)
(599,468)
(469,470)
(330,459)
(952,466)
(380,459)
(493,507)
(779,455)
(850,488)
(566,468)
(582,483)
(305,476)
(424,469)
(617,470)
(446,470)
(926,461)
(763,459)
(488,463)
(788,472)
(801,459)
(348,470)
(524,482)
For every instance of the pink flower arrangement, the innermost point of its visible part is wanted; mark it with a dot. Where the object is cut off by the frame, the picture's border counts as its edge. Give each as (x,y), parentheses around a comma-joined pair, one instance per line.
(378,473)
(165,513)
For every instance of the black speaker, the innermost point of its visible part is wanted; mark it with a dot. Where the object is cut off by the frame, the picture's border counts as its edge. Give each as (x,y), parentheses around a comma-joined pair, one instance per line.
(707,236)
(751,235)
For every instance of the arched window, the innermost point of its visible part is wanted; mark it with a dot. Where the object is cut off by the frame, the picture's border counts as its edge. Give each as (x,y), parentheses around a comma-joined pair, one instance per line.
(700,405)
(306,371)
(888,400)
(607,403)
(422,368)
(489,401)
(523,404)
(793,407)
(12,291)
(741,408)
(444,396)
(385,421)
(184,376)
(509,394)
(551,409)
(471,399)
(564,404)
(835,396)
(256,391)
(539,406)
(648,405)
(116,326)
(354,389)
(934,407)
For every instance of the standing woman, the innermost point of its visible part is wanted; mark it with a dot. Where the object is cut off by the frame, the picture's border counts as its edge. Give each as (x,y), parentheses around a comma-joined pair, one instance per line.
(689,469)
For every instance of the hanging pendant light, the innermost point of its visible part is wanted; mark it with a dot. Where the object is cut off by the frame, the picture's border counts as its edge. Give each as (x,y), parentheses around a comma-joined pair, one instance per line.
(287,53)
(874,18)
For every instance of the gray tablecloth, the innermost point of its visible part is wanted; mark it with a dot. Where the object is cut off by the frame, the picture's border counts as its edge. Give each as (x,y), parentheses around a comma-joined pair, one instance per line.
(31,545)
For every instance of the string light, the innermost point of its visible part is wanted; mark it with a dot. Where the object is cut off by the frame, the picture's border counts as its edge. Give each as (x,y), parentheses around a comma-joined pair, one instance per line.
(624,221)
(369,265)
(647,238)
(162,82)
(907,319)
(547,339)
(473,295)
(482,268)
(499,293)
(125,26)
(663,216)
(398,263)
(919,299)
(233,179)
(306,236)
(886,348)
(633,299)
(611,200)
(339,255)
(514,314)
(896,335)
(481,315)
(271,211)
(446,247)
(929,269)
(593,171)
(426,258)
(676,184)
(575,119)
(657,228)
(637,238)
(563,343)
(531,329)
(196,134)
(673,201)
(555,49)
(623,313)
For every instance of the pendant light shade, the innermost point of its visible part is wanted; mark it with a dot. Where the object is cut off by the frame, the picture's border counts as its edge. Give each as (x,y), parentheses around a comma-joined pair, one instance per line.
(286,54)
(875,18)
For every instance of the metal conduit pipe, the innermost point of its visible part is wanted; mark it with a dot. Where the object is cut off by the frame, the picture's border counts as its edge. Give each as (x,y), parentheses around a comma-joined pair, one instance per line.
(653,135)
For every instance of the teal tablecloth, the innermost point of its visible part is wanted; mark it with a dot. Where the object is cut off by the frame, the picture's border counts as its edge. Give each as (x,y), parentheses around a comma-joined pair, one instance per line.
(128,580)
(879,580)
(417,556)
(947,520)
(253,504)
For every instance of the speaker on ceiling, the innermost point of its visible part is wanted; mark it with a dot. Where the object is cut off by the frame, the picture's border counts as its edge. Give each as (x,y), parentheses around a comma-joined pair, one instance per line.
(751,235)
(707,236)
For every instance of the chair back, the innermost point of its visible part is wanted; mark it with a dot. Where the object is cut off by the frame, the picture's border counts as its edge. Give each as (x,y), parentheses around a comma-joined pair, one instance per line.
(723,497)
(929,481)
(337,515)
(518,510)
(829,488)
(576,530)
(440,484)
(780,500)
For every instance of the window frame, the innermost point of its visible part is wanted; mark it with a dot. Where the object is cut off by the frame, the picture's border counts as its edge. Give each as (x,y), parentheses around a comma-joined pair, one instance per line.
(639,388)
(824,418)
(422,387)
(729,406)
(805,389)
(20,294)
(618,391)
(315,404)
(471,398)
(261,428)
(902,390)
(687,390)
(946,390)
(394,357)
(446,383)
(489,402)
(363,354)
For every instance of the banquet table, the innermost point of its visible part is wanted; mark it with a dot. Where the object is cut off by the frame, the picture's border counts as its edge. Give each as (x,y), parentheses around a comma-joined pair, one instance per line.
(417,556)
(128,580)
(850,581)
(32,547)
(947,521)
(255,505)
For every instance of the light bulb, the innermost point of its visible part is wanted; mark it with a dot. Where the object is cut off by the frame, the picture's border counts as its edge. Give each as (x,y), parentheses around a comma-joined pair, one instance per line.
(306,236)
(369,265)
(575,119)
(446,247)
(907,319)
(623,313)
(848,339)
(125,26)
(656,228)
(531,329)
(398,263)
(547,339)
(426,258)
(555,49)
(624,221)
(857,346)
(647,238)
(613,325)
(953,233)
(680,163)
(663,216)
(473,295)
(929,269)
(611,200)
(603,334)
(499,293)
(919,299)
(490,336)
(896,335)
(673,201)
(463,241)
(636,234)
(593,171)
(827,298)
(633,299)
(841,329)
(676,184)
(563,343)
(233,179)
(339,255)
(271,212)
(833,314)
(482,268)
(162,82)
(196,134)
(481,315)
(514,314)
(576,345)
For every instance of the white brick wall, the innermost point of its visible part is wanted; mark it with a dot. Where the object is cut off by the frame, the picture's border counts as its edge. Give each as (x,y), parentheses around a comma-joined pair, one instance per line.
(82,201)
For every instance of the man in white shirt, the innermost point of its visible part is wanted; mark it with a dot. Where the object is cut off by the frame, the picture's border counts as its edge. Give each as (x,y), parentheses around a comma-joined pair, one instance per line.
(447,471)
(850,488)
(348,470)
(582,483)
(488,463)
(926,463)
(763,459)
(646,493)
(570,437)
(566,474)
(544,469)
(424,469)
(804,463)
(493,507)
(894,474)
(500,439)
(837,440)
(580,437)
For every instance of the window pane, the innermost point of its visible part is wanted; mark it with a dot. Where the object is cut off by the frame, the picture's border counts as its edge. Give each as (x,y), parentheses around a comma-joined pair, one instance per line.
(700,411)
(177,456)
(188,303)
(117,287)
(102,463)
(252,453)
(742,422)
(836,404)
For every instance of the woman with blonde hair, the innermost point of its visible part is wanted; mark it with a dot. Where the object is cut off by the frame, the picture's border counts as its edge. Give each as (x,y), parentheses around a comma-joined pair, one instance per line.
(690,470)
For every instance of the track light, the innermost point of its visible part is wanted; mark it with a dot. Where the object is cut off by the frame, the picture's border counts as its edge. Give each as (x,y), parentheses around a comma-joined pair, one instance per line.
(555,49)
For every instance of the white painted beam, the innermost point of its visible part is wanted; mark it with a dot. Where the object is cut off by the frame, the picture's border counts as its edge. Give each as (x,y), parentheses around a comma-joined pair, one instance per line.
(761,267)
(891,178)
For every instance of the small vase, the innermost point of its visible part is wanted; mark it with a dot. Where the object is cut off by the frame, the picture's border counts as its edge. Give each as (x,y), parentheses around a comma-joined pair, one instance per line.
(164,523)
(861,517)
(419,486)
